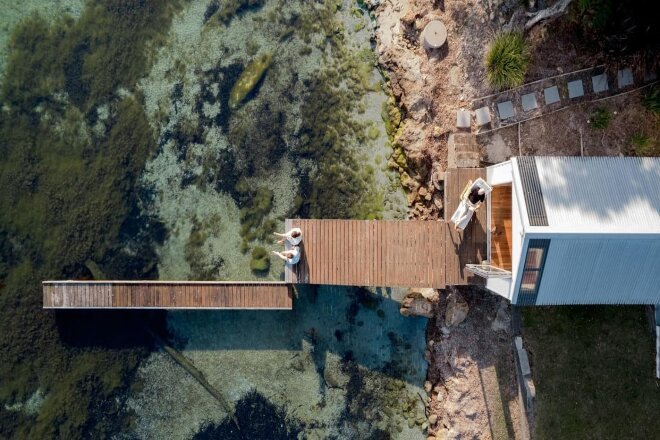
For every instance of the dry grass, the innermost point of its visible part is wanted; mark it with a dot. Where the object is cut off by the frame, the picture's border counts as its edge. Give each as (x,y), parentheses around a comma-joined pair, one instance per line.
(570,131)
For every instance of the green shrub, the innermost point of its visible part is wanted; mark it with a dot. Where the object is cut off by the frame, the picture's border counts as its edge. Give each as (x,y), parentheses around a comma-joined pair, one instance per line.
(643,145)
(600,119)
(652,100)
(507,60)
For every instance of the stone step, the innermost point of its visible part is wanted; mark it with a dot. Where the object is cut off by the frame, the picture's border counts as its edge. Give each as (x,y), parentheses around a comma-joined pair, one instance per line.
(551,94)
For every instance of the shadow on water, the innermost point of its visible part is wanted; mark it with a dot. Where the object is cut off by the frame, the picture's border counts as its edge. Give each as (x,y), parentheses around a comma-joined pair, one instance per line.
(258,419)
(109,329)
(352,323)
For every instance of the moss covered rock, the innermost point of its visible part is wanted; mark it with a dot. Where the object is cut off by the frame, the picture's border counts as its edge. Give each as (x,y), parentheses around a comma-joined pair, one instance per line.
(260,260)
(249,78)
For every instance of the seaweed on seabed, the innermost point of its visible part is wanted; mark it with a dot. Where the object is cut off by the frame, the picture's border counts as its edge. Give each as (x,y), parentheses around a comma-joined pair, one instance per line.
(229,10)
(258,418)
(257,204)
(66,192)
(339,188)
(260,262)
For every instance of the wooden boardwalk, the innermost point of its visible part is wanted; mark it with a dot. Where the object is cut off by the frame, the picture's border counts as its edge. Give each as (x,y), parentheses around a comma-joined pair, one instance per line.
(392,253)
(166,295)
(379,253)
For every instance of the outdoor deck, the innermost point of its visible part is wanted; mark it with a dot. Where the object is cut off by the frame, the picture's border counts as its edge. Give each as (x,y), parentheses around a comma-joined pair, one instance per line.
(392,253)
(470,245)
(166,295)
(500,219)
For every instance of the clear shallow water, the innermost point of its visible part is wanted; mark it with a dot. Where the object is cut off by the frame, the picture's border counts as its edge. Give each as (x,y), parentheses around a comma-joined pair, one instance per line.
(341,376)
(213,158)
(307,141)
(296,359)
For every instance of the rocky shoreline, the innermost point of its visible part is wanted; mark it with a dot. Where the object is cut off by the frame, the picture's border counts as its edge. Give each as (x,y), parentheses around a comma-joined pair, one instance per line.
(427,86)
(469,356)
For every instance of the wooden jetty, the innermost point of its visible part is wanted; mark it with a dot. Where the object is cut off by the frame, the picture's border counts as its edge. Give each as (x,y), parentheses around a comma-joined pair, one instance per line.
(379,253)
(392,253)
(166,295)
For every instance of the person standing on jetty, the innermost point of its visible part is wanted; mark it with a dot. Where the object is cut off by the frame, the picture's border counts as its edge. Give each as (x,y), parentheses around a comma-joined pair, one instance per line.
(294,237)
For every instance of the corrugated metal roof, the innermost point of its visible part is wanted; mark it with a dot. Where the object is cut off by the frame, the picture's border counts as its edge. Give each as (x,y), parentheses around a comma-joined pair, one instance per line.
(583,270)
(531,186)
(601,194)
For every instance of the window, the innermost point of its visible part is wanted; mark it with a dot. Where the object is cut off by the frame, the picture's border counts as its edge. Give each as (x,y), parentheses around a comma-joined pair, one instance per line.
(533,271)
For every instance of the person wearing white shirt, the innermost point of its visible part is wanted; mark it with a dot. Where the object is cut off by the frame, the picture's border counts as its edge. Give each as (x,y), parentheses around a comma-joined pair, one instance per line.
(294,237)
(291,256)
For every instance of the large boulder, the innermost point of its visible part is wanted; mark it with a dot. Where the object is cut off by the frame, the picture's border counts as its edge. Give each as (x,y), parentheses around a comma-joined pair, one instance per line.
(424,292)
(502,321)
(419,302)
(457,309)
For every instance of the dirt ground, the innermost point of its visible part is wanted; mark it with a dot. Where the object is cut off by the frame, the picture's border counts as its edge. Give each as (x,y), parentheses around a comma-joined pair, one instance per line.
(431,84)
(570,132)
(474,390)
(560,48)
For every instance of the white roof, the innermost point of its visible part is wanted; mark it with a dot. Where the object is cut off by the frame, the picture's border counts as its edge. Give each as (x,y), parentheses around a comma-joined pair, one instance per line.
(601,194)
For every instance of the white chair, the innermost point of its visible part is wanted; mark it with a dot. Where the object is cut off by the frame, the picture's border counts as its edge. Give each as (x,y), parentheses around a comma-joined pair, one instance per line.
(466,209)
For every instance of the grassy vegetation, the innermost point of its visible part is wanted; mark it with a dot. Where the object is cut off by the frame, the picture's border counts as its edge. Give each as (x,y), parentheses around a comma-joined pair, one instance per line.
(651,100)
(507,60)
(594,372)
(644,145)
(600,118)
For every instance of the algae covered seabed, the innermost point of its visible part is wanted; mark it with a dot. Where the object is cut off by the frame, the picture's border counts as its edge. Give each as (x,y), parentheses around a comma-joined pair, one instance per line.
(169,141)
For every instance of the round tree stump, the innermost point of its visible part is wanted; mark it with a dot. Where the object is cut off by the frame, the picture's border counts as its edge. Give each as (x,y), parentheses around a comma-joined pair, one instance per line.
(434,34)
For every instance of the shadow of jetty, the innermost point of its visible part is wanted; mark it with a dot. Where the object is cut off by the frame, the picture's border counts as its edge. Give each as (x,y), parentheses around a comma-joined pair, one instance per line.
(350,322)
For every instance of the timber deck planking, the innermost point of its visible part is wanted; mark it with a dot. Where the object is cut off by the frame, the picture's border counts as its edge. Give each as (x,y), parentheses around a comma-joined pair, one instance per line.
(392,253)
(500,219)
(389,253)
(166,295)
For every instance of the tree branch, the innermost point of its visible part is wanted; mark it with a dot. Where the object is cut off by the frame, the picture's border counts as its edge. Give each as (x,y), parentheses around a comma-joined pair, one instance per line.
(553,11)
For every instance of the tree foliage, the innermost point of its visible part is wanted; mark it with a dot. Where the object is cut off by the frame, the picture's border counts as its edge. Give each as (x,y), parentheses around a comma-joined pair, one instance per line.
(618,26)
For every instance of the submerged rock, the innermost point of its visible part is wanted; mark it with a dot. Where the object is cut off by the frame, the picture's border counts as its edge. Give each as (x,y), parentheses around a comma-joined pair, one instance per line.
(249,79)
(95,270)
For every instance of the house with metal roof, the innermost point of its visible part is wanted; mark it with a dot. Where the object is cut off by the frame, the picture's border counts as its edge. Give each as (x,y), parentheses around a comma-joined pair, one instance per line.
(573,230)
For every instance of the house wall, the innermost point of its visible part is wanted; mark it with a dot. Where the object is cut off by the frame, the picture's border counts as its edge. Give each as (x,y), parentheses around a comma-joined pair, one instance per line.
(499,174)
(500,286)
(600,269)
(517,236)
